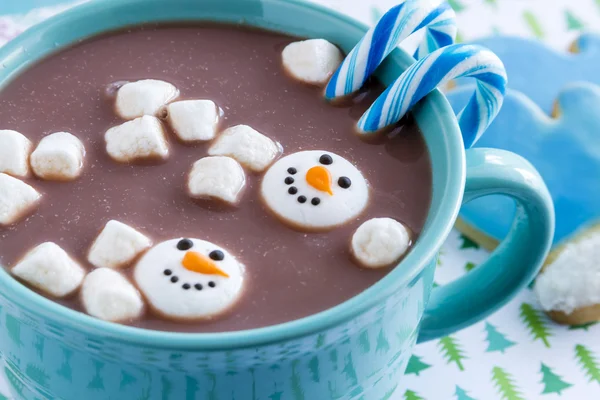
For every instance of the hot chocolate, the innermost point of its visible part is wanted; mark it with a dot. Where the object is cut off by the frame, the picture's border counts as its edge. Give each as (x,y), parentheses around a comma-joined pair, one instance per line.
(295,261)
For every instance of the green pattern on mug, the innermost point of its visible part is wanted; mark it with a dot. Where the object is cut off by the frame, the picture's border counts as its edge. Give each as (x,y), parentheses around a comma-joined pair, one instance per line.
(552,382)
(536,323)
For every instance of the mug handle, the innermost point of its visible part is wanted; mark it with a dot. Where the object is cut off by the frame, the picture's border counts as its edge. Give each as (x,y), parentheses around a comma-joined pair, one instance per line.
(514,263)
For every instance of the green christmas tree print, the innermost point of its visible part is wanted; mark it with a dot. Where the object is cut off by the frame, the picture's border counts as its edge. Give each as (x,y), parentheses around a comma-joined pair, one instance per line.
(382,345)
(410,395)
(573,23)
(493,3)
(552,382)
(461,394)
(505,386)
(588,362)
(533,24)
(469,266)
(585,327)
(452,351)
(467,243)
(496,340)
(415,366)
(536,323)
(456,5)
(386,396)
(375,14)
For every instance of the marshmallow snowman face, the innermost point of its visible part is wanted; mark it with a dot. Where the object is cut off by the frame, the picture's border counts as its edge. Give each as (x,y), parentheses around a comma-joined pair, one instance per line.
(189,279)
(315,190)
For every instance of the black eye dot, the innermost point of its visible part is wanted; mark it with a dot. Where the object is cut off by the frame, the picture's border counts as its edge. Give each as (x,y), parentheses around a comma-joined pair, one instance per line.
(186,286)
(292,171)
(185,244)
(315,201)
(293,190)
(326,159)
(216,255)
(198,286)
(289,180)
(301,199)
(344,182)
(174,279)
(167,272)
(212,284)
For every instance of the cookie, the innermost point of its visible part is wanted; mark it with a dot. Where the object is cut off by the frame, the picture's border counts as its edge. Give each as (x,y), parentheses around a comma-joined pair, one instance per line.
(568,287)
(564,148)
(523,59)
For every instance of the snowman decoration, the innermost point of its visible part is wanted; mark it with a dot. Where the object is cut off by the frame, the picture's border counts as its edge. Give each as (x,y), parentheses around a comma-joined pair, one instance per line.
(315,190)
(189,278)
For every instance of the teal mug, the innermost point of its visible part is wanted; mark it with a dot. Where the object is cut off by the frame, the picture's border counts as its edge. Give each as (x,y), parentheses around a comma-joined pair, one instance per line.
(356,350)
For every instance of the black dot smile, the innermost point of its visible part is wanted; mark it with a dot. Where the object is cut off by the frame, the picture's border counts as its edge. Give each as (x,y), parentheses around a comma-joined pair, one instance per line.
(187,286)
(293,190)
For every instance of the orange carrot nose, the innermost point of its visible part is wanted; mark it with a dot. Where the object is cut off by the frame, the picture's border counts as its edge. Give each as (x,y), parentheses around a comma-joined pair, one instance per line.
(196,262)
(319,178)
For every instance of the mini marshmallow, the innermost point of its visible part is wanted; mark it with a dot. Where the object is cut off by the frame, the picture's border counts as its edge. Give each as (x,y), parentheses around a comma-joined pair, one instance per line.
(315,190)
(145,97)
(216,177)
(194,120)
(380,242)
(107,295)
(16,199)
(312,61)
(117,246)
(50,269)
(58,157)
(249,147)
(14,153)
(189,279)
(142,138)
(572,280)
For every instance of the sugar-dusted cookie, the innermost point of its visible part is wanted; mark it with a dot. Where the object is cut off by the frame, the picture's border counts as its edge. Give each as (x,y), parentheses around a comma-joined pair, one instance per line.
(315,190)
(541,72)
(568,288)
(565,149)
(189,279)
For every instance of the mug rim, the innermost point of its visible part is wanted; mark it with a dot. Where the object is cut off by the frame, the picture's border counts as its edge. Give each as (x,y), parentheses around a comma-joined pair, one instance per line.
(439,221)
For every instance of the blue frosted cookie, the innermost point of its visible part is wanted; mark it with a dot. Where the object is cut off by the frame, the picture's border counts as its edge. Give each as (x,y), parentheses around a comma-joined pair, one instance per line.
(540,72)
(565,148)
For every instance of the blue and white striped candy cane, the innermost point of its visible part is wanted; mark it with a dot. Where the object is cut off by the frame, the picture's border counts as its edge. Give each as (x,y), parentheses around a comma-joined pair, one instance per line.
(439,67)
(396,25)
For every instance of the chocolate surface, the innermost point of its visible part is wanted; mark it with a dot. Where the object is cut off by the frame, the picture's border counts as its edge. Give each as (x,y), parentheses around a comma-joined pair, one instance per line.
(290,274)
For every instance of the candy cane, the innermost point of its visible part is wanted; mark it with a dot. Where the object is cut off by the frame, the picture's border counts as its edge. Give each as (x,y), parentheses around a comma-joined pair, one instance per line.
(439,67)
(395,26)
